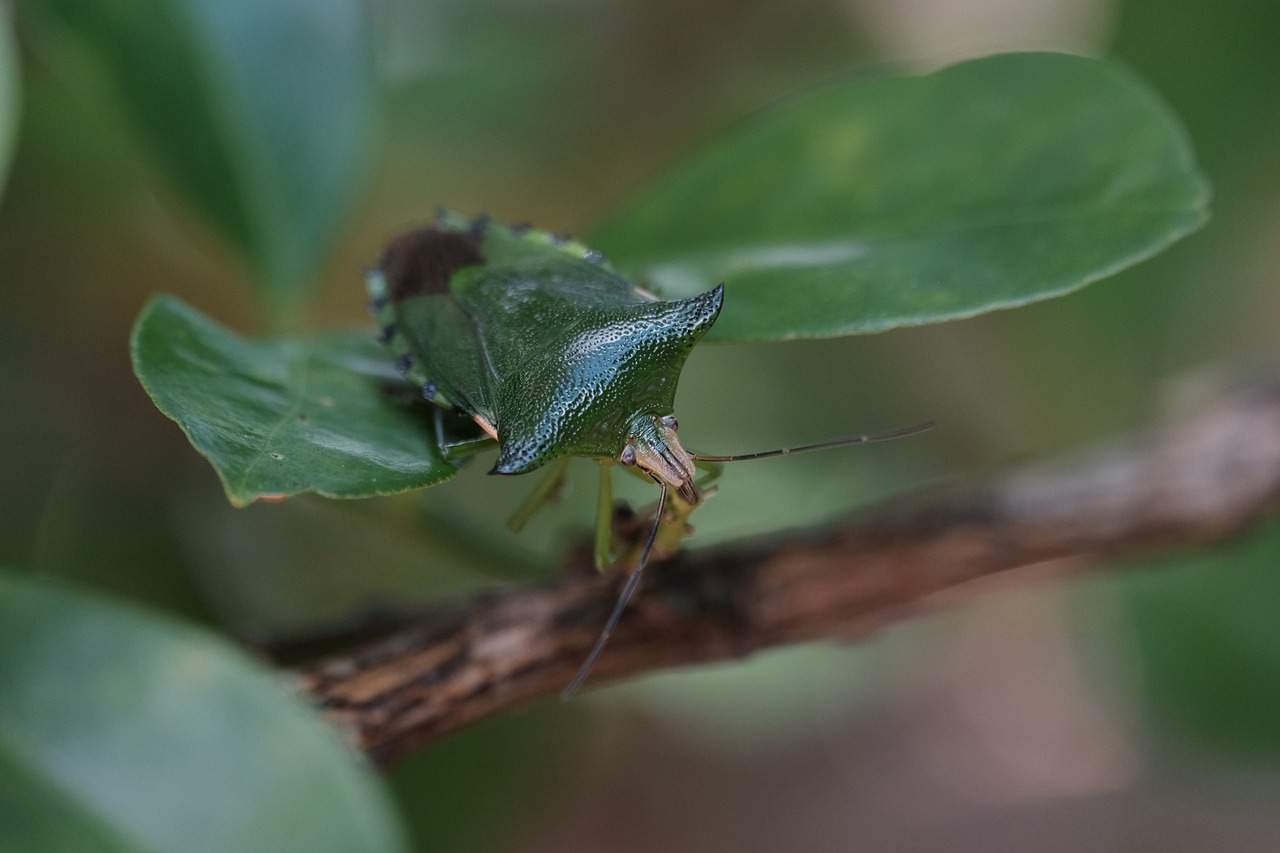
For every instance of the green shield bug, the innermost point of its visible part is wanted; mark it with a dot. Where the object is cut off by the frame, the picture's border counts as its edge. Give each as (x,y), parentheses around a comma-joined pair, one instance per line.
(552,355)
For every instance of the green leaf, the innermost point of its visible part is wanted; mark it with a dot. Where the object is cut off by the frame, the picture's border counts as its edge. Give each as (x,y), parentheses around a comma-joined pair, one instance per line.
(261,112)
(8,96)
(284,416)
(893,202)
(121,731)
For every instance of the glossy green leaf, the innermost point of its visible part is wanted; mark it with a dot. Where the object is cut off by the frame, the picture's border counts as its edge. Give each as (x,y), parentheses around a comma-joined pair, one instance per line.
(122,731)
(891,202)
(284,416)
(8,96)
(261,112)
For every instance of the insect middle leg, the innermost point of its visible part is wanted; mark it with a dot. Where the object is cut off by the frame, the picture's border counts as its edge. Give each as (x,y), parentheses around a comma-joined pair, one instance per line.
(545,491)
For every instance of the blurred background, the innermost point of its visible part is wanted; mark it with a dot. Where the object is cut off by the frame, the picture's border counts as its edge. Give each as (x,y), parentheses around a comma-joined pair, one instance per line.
(1137,708)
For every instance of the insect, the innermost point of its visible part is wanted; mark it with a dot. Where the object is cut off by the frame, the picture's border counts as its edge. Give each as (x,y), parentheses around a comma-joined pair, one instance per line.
(552,355)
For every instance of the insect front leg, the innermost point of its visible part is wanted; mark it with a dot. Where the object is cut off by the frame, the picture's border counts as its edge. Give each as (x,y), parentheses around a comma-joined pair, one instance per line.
(672,527)
(453,448)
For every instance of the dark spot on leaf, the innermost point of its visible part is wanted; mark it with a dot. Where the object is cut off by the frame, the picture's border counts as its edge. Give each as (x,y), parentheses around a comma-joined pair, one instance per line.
(560,240)
(422,262)
(404,362)
(520,229)
(429,390)
(388,332)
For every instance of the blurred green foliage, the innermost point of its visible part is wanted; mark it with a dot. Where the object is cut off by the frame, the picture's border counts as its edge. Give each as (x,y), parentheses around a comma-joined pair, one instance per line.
(554,113)
(8,100)
(1206,632)
(173,742)
(260,115)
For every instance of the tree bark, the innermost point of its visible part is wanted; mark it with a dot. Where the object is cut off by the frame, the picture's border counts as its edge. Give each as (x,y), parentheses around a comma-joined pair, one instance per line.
(1195,480)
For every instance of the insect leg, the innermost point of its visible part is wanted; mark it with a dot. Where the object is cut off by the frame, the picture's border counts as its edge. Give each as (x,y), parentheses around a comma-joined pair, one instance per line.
(604,517)
(547,487)
(453,448)
(623,598)
(462,449)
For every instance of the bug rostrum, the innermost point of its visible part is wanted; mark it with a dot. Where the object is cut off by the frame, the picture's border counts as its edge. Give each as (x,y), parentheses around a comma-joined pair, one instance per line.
(553,355)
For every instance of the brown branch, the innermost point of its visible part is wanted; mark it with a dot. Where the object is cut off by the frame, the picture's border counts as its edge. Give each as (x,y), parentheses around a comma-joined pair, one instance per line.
(1194,481)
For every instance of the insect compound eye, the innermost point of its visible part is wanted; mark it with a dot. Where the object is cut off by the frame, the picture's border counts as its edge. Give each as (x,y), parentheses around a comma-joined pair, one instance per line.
(670,420)
(628,456)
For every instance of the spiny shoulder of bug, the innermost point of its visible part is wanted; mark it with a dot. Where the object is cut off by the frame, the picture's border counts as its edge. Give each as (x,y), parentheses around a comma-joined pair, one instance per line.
(424,262)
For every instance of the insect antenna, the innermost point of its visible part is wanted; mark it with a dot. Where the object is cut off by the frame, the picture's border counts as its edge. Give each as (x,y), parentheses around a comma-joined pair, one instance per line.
(623,598)
(822,445)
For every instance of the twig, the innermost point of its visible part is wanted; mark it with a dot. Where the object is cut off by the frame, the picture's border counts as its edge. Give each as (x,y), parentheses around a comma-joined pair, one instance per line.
(1198,480)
